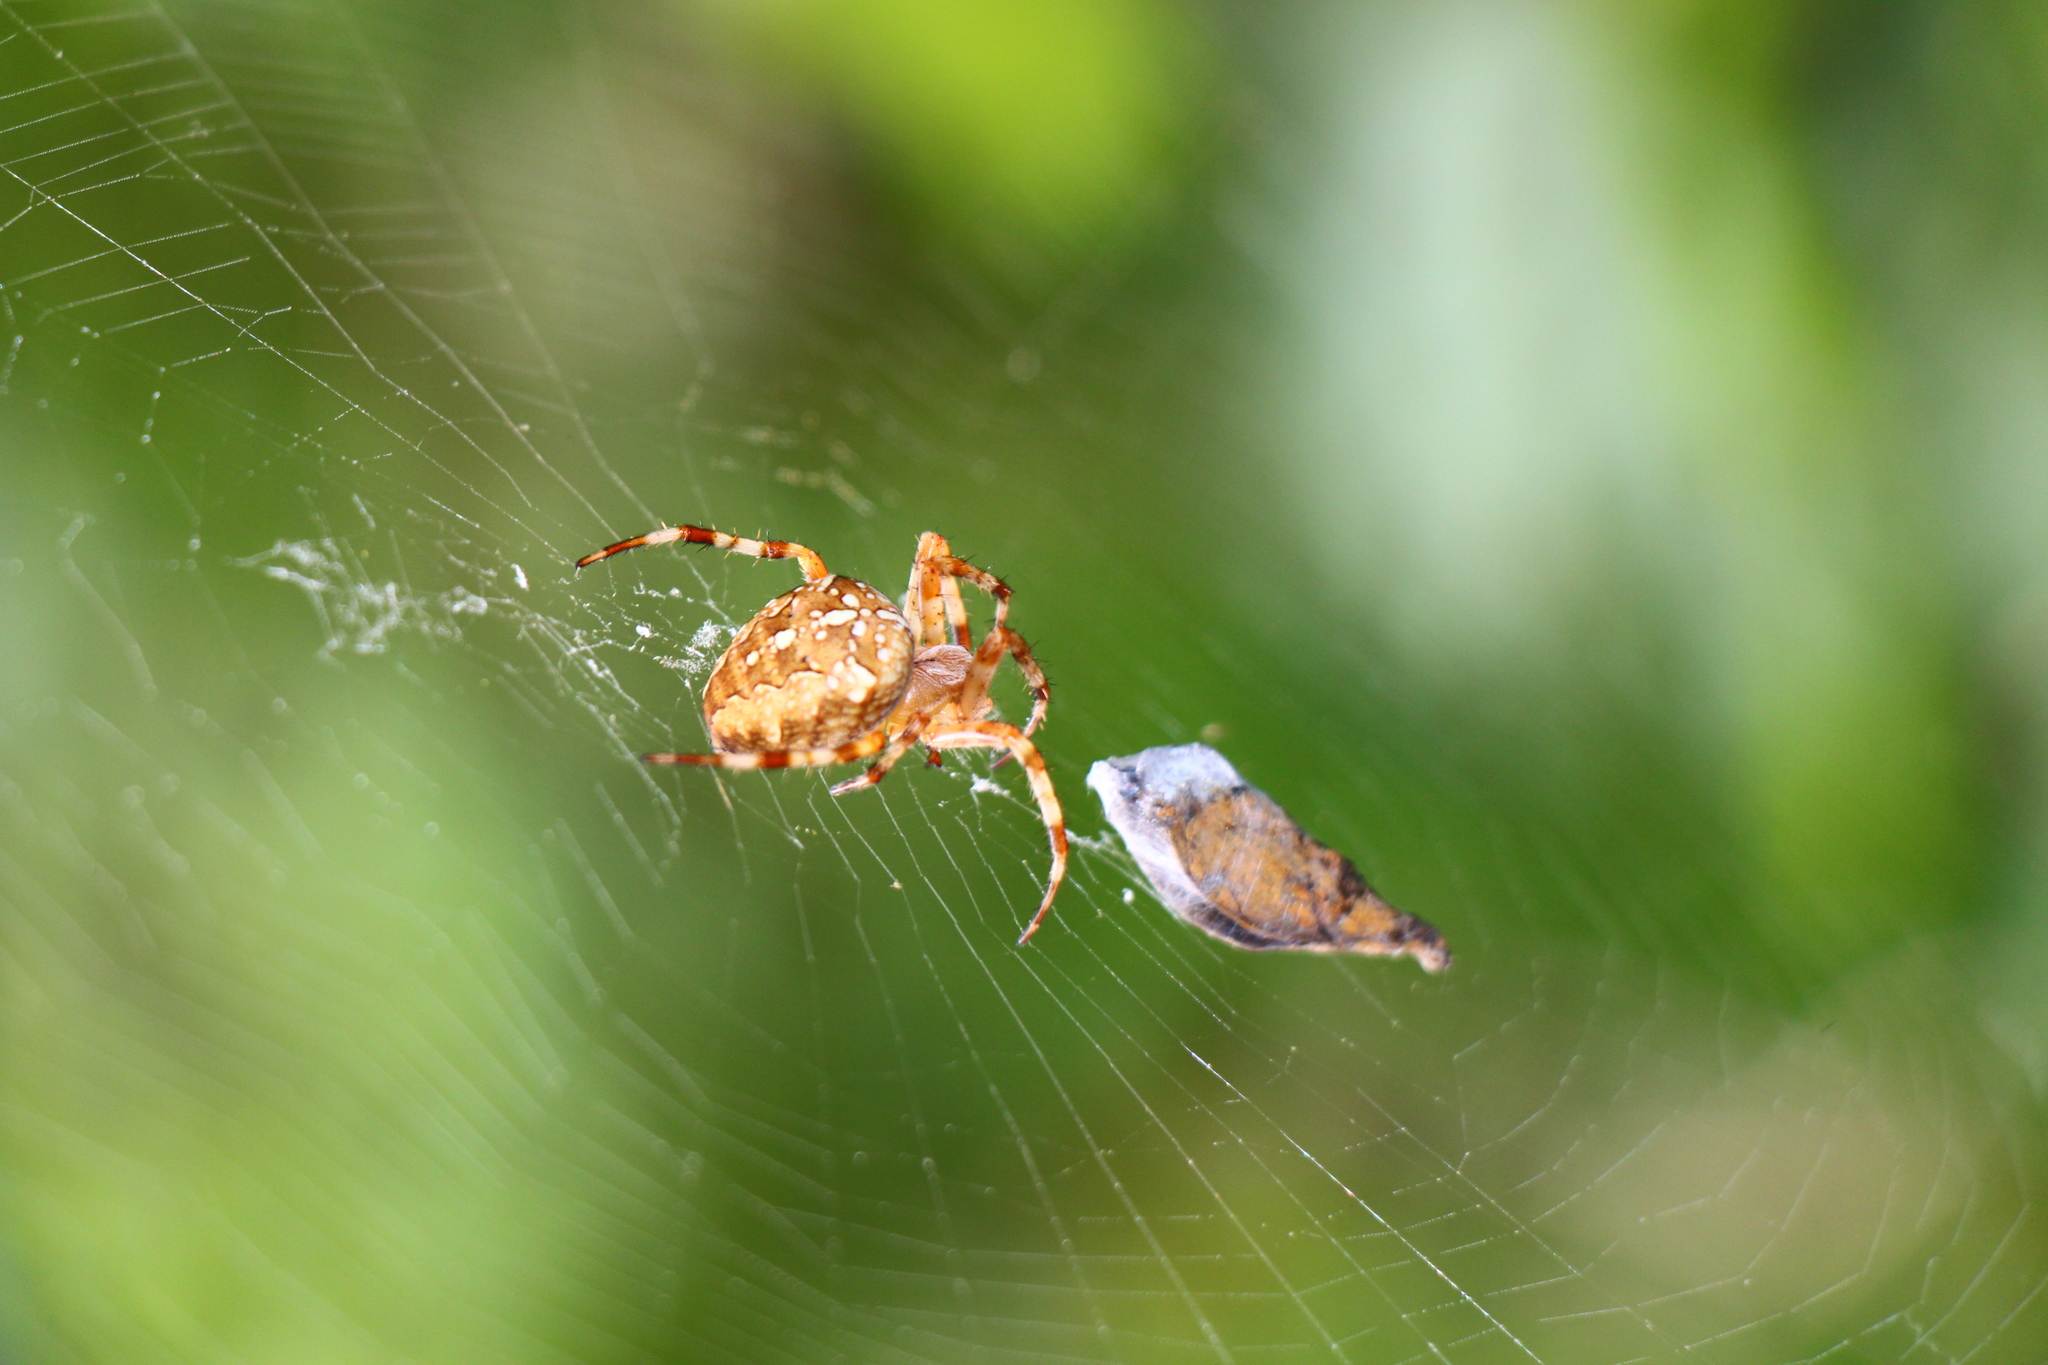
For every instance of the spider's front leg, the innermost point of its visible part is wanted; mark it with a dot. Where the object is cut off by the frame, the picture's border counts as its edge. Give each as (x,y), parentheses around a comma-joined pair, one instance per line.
(935,584)
(935,587)
(934,597)
(999,641)
(994,734)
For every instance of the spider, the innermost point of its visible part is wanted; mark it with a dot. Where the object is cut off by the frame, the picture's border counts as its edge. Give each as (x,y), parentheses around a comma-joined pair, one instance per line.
(833,672)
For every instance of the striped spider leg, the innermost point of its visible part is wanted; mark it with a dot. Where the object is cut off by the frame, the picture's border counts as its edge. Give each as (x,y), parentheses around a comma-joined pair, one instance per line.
(934,594)
(807,559)
(833,672)
(995,734)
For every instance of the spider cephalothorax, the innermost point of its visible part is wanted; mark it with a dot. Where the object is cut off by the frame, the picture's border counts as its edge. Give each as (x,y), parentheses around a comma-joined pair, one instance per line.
(834,672)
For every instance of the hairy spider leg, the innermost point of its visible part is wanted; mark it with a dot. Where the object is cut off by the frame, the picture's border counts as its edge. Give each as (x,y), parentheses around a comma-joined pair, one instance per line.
(935,579)
(936,565)
(806,558)
(999,641)
(897,747)
(869,743)
(950,568)
(995,734)
(934,598)
(934,576)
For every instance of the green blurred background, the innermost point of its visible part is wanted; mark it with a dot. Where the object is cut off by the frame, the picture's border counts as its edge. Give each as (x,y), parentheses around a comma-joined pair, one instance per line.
(1589,461)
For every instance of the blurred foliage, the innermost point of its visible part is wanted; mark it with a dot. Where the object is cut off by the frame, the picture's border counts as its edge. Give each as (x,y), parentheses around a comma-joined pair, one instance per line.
(1018,130)
(1586,460)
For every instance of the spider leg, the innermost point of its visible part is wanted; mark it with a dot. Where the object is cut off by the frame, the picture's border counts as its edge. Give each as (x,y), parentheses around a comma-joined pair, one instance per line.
(898,747)
(936,580)
(992,734)
(935,596)
(999,641)
(867,744)
(1041,694)
(952,568)
(807,558)
(956,610)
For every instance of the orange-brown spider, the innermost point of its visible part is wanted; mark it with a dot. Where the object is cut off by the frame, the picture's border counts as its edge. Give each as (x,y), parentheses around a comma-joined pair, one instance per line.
(833,673)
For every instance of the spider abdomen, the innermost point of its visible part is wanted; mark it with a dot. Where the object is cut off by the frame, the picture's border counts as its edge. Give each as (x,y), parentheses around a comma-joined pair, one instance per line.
(816,668)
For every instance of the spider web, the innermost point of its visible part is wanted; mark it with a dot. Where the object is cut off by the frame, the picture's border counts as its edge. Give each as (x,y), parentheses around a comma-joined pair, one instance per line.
(365,999)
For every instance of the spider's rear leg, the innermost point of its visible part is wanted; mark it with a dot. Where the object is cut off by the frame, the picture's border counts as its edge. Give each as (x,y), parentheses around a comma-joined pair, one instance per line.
(808,559)
(779,758)
(994,734)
